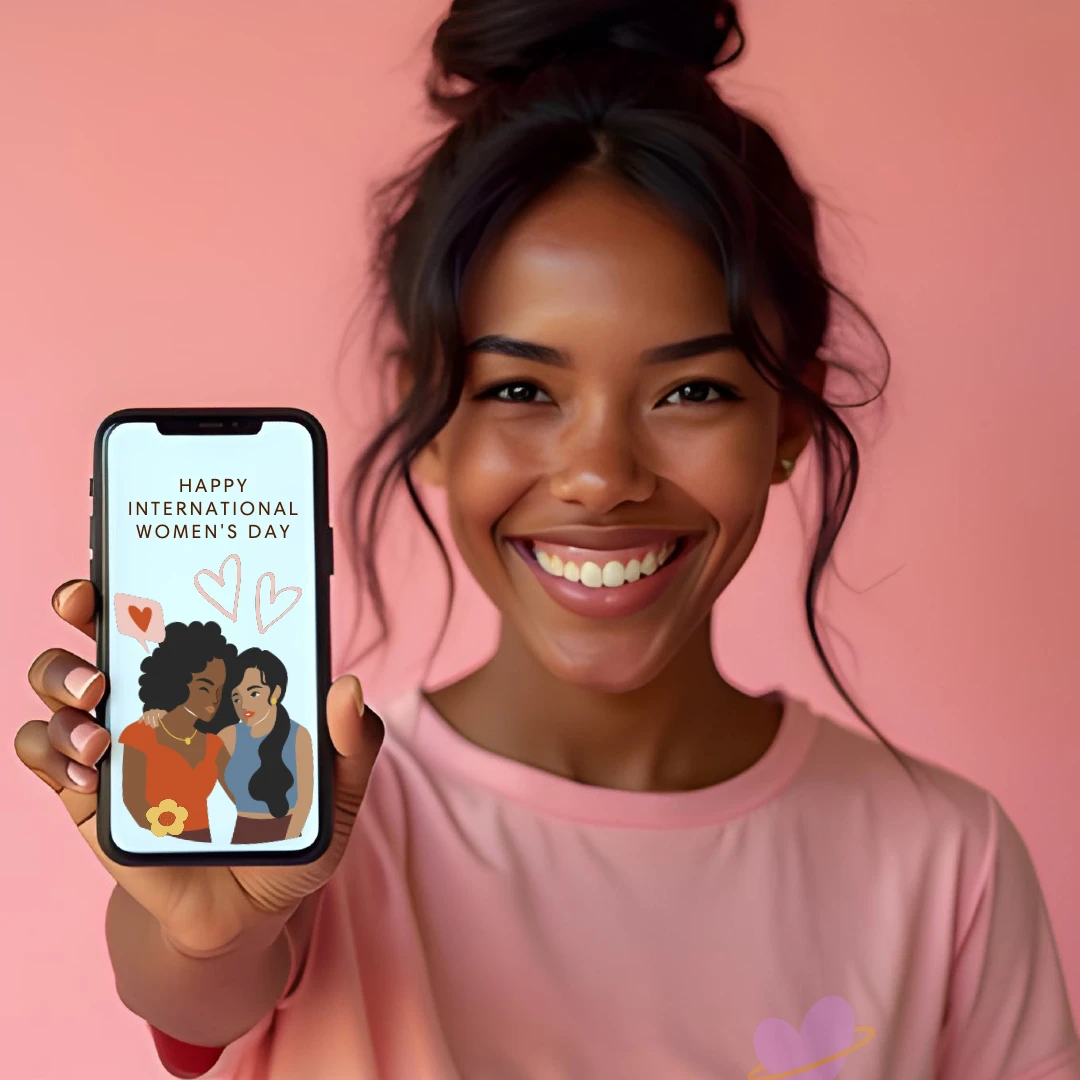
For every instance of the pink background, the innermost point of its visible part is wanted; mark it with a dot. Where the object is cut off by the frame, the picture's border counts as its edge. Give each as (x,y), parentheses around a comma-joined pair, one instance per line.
(182,222)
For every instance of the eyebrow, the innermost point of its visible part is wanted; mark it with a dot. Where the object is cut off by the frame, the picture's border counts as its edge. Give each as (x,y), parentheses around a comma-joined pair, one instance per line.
(547,354)
(258,687)
(203,678)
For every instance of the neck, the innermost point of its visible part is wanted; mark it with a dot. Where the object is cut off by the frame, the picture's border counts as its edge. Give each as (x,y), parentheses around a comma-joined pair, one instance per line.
(180,722)
(258,728)
(685,728)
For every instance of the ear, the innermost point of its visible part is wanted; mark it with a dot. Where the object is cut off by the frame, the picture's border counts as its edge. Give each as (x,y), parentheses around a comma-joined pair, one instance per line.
(795,432)
(275,694)
(427,466)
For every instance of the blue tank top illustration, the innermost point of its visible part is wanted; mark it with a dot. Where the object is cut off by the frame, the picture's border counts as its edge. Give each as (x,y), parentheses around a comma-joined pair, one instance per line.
(245,762)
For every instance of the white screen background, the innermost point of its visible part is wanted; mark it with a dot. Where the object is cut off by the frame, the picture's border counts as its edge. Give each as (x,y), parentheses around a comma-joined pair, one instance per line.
(277,463)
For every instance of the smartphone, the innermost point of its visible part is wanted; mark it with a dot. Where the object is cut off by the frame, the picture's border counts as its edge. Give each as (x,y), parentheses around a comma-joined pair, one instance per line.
(211,551)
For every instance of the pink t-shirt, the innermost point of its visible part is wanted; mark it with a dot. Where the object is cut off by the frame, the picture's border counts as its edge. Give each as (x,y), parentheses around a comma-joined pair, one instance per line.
(817,914)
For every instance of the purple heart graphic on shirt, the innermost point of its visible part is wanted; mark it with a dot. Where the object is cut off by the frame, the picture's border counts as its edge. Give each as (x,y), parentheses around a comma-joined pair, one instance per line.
(828,1028)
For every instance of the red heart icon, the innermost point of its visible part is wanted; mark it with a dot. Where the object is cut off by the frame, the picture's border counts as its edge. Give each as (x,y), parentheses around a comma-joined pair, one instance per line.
(140,616)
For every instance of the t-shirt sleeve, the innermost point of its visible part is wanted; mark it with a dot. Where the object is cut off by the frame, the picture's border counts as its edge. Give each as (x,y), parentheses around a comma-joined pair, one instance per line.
(1008,1014)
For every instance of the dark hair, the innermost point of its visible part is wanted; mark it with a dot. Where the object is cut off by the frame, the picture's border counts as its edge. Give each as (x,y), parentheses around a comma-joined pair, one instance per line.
(620,85)
(187,648)
(272,779)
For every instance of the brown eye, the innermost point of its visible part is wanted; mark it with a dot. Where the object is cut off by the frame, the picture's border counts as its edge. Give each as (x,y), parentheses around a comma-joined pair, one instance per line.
(696,393)
(515,393)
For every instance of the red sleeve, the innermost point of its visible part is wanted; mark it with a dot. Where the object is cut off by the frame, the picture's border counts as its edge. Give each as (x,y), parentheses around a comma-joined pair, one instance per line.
(184,1059)
(138,735)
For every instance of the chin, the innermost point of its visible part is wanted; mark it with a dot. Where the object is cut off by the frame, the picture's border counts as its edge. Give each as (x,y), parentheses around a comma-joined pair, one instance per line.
(607,671)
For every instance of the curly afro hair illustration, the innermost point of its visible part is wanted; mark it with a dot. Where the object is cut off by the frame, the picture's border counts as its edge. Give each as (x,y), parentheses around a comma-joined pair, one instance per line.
(186,649)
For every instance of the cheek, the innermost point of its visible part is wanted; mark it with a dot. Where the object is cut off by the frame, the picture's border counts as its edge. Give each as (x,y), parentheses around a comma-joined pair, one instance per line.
(487,471)
(725,468)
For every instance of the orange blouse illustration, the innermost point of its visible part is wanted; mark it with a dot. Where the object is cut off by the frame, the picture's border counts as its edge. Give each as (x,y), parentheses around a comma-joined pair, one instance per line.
(170,768)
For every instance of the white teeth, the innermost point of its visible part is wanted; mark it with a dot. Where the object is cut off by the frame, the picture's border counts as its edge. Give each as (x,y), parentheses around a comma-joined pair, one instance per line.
(611,575)
(592,575)
(614,574)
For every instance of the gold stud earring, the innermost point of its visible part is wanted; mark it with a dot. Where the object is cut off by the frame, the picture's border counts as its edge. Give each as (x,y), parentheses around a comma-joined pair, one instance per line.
(273,701)
(788,467)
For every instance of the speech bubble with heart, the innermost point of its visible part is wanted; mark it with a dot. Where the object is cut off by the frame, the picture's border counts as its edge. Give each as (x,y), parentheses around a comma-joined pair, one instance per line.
(139,618)
(273,597)
(219,580)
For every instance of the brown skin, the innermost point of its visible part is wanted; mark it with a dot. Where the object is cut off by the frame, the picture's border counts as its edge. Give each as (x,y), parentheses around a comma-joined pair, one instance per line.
(197,951)
(204,696)
(255,705)
(634,703)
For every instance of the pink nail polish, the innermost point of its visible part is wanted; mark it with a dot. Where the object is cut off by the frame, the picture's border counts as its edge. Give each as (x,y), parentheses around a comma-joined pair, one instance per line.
(79,679)
(80,775)
(82,734)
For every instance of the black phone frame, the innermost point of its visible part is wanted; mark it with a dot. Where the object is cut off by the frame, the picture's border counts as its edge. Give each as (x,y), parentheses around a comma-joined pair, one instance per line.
(324,567)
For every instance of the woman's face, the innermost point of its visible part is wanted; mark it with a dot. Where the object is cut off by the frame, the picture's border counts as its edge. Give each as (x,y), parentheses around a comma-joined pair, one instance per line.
(204,690)
(251,697)
(600,435)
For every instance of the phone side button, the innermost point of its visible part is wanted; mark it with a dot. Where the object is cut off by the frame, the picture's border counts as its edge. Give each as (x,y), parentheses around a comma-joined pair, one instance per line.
(330,549)
(91,487)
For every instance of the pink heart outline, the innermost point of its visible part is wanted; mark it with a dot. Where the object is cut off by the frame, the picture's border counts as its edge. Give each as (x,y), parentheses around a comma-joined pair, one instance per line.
(219,577)
(274,594)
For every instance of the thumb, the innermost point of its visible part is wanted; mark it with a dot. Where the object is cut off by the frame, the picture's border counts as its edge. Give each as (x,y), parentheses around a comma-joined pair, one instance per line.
(357,734)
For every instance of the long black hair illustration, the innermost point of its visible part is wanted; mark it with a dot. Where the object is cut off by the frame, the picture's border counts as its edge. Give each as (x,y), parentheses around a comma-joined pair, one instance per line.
(271,781)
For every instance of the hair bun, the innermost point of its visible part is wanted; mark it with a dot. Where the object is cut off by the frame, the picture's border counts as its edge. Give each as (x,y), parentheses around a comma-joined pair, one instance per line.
(488,41)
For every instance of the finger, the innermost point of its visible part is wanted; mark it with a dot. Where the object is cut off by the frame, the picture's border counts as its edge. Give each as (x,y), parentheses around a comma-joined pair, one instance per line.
(76,603)
(357,734)
(75,783)
(61,678)
(77,735)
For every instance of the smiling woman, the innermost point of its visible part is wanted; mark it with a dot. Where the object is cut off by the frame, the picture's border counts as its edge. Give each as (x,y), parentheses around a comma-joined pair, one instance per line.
(623,302)
(593,855)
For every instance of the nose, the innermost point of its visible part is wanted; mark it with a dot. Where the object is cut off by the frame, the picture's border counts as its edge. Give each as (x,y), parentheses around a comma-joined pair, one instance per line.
(598,464)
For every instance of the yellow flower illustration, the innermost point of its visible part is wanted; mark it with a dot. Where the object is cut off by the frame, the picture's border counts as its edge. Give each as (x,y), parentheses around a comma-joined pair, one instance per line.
(167,818)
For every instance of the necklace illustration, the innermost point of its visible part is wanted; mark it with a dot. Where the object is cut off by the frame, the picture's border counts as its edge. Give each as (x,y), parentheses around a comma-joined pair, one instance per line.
(178,738)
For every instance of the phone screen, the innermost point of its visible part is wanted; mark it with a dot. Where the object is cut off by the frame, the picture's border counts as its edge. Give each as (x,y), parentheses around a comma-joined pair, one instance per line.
(210,615)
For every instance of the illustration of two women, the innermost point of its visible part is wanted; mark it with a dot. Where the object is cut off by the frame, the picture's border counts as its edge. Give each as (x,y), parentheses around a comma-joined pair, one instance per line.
(215,716)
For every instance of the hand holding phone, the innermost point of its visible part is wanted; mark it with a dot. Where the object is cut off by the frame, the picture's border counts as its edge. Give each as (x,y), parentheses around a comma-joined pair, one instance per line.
(200,908)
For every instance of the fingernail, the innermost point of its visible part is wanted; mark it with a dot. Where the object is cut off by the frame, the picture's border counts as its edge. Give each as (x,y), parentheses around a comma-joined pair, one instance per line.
(62,592)
(79,679)
(82,734)
(80,775)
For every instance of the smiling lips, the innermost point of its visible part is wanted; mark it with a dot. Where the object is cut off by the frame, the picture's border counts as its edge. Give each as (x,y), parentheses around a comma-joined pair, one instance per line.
(248,715)
(605,573)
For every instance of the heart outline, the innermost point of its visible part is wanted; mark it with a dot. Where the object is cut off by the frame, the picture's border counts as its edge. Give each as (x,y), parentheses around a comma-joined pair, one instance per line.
(274,594)
(141,616)
(219,577)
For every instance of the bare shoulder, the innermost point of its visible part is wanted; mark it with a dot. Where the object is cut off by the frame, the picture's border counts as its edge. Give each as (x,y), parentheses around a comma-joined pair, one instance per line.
(303,736)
